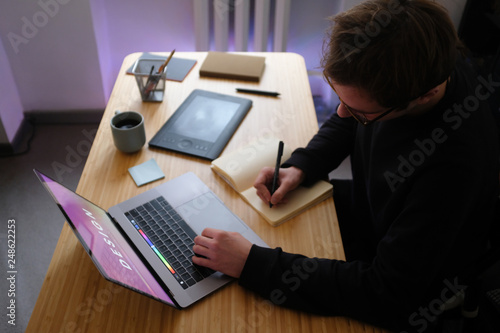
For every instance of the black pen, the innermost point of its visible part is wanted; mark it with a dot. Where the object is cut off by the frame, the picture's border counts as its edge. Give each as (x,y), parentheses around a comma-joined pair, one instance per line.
(258,92)
(150,83)
(276,170)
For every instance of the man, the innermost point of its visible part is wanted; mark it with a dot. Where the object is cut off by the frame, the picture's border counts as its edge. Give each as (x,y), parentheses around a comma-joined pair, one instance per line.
(424,156)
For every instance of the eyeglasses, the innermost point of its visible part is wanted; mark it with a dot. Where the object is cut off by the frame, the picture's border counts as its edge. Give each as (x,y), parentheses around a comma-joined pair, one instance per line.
(360,116)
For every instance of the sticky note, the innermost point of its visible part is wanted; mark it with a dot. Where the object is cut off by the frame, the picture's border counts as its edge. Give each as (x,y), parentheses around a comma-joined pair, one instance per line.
(146,172)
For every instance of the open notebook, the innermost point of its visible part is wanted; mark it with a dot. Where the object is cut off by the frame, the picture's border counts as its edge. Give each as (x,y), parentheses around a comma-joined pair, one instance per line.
(240,168)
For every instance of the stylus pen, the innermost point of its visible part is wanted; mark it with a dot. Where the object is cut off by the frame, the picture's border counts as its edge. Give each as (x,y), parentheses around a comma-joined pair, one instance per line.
(258,92)
(276,170)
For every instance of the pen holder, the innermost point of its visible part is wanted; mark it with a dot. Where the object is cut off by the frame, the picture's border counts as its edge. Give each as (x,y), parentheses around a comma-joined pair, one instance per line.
(151,83)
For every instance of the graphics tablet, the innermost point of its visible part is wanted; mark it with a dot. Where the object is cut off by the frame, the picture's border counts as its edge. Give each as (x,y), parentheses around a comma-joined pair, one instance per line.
(203,124)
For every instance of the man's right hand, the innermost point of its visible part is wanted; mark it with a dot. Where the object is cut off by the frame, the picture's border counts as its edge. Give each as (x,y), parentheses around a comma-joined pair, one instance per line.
(288,179)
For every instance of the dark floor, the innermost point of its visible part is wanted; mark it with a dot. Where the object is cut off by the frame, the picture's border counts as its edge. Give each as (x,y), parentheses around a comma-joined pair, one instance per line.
(60,151)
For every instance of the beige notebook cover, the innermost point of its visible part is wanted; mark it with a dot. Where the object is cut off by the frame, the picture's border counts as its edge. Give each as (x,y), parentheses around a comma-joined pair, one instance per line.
(240,168)
(233,66)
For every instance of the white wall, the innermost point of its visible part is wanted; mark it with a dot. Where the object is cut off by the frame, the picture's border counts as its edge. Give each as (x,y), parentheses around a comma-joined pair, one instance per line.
(52,53)
(308,23)
(144,26)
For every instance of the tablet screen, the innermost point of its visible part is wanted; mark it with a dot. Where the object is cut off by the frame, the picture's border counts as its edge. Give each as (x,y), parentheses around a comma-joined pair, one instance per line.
(203,124)
(205,118)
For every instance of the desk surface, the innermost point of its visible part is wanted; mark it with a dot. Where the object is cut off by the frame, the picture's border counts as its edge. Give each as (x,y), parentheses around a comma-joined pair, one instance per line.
(76,298)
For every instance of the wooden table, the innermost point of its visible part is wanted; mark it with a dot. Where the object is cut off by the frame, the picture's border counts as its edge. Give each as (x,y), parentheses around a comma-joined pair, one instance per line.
(76,298)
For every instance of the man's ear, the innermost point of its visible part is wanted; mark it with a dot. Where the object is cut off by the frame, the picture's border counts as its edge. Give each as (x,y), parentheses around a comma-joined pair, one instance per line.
(425,98)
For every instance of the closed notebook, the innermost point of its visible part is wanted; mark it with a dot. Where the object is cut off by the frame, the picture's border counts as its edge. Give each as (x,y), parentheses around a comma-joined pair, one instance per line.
(233,66)
(240,168)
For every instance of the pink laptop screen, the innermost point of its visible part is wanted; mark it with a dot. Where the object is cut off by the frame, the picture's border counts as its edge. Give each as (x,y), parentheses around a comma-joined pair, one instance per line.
(109,250)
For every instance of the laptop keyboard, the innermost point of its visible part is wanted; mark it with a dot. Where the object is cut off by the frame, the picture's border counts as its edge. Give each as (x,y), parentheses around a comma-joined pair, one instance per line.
(170,238)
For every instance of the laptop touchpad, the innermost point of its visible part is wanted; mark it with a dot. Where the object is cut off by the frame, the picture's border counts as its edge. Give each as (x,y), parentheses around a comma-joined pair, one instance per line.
(207,211)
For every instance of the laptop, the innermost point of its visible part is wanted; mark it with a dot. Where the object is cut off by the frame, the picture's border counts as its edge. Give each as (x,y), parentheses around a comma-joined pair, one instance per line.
(145,243)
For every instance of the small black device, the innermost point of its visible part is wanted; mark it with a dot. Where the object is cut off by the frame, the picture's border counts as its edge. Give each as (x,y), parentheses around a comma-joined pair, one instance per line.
(203,124)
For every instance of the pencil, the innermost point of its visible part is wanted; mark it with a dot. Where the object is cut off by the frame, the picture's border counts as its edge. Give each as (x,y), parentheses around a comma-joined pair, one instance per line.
(162,67)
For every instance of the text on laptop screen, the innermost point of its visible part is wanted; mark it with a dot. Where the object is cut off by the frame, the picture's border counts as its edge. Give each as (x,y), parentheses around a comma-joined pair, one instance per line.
(110,251)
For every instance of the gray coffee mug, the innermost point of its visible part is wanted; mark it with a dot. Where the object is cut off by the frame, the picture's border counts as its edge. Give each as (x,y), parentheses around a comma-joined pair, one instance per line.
(128,131)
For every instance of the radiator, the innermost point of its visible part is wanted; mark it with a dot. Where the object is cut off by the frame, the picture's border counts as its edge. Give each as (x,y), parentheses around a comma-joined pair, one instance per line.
(213,31)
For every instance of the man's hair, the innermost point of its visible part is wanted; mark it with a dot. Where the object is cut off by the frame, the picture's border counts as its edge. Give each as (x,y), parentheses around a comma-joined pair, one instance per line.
(395,50)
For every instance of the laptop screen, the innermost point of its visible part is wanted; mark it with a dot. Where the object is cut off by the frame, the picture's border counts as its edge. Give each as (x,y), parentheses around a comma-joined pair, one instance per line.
(109,250)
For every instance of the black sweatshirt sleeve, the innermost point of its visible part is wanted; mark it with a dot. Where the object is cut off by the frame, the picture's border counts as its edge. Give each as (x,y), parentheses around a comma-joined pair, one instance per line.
(326,150)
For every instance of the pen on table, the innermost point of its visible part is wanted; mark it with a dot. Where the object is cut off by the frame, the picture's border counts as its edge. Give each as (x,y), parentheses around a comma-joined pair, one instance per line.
(258,92)
(276,170)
